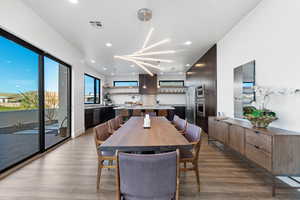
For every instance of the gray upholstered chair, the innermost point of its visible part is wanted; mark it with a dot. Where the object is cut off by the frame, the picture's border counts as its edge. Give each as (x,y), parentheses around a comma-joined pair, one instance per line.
(145,177)
(101,133)
(120,120)
(193,135)
(180,124)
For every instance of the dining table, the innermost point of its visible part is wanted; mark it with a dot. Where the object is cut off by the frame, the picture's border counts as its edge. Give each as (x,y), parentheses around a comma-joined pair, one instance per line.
(133,137)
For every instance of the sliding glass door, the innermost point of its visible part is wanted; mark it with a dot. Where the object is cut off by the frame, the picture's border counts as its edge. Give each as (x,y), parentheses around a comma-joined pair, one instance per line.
(35,100)
(57,102)
(19,103)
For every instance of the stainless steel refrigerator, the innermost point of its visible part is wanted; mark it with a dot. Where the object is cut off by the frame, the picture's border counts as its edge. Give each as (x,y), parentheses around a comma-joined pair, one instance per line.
(191,104)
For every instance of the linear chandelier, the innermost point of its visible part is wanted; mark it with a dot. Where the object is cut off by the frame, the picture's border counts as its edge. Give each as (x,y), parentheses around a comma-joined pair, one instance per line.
(144,62)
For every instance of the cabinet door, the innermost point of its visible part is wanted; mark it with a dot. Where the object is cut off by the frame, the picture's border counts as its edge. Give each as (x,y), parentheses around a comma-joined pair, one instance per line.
(236,138)
(212,128)
(96,117)
(222,131)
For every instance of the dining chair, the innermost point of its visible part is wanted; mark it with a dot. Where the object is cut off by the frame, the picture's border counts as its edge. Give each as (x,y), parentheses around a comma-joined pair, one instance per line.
(175,118)
(152,114)
(145,177)
(162,113)
(102,133)
(113,125)
(120,120)
(136,112)
(180,124)
(125,114)
(193,135)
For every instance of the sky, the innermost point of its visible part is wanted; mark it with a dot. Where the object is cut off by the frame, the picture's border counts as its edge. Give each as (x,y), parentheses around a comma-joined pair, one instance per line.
(19,69)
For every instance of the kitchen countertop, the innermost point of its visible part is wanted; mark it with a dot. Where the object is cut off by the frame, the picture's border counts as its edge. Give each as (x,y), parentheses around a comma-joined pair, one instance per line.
(157,107)
(92,106)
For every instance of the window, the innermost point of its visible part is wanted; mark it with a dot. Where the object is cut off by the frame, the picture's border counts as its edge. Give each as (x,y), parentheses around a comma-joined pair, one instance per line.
(175,83)
(91,89)
(34,101)
(126,83)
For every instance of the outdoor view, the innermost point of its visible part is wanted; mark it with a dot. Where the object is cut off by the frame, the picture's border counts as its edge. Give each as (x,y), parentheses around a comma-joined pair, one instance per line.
(19,103)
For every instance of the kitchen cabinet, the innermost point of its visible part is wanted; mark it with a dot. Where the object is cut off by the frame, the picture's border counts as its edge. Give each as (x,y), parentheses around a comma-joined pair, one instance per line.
(273,149)
(96,116)
(179,110)
(147,84)
(236,139)
(204,73)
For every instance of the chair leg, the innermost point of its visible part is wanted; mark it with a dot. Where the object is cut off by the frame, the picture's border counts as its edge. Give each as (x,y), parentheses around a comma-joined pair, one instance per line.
(99,175)
(197,176)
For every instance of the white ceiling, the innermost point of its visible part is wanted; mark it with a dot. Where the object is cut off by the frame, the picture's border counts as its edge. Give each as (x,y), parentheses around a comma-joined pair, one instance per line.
(203,22)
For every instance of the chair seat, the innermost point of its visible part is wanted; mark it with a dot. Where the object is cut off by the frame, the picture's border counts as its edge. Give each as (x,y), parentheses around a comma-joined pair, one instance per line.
(107,153)
(186,154)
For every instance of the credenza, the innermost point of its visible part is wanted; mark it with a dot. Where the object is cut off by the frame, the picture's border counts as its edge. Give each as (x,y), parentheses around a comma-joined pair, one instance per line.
(276,150)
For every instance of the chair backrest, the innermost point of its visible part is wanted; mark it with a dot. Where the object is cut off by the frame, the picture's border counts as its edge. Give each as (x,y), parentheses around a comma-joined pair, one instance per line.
(162,113)
(152,114)
(136,112)
(101,133)
(113,125)
(180,124)
(119,119)
(193,134)
(175,118)
(147,177)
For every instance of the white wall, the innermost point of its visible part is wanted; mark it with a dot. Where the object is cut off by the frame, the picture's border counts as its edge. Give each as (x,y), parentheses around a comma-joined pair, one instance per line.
(270,34)
(163,98)
(21,21)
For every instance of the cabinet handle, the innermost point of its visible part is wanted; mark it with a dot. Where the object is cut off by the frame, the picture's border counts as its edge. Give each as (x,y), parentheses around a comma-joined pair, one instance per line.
(256,146)
(257,132)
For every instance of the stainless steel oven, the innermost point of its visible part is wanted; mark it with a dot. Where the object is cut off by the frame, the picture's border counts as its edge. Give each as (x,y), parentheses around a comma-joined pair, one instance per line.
(200,91)
(200,108)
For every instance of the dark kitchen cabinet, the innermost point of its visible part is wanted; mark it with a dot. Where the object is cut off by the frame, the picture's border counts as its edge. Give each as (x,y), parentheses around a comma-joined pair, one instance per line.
(147,84)
(96,116)
(179,110)
(204,72)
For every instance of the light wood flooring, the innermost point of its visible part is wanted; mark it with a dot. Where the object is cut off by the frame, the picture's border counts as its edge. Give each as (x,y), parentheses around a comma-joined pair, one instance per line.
(69,173)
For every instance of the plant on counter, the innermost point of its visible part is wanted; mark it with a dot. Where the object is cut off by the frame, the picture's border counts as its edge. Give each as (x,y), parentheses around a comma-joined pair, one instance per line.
(258,114)
(260,118)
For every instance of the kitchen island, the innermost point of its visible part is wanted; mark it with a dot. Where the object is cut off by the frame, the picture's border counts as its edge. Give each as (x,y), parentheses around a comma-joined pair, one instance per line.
(156,107)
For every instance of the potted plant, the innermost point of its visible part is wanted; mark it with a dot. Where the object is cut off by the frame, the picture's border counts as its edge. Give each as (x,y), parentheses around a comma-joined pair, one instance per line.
(260,118)
(258,114)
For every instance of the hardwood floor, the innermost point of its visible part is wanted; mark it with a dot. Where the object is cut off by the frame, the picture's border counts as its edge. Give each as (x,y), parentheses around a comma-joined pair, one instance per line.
(69,173)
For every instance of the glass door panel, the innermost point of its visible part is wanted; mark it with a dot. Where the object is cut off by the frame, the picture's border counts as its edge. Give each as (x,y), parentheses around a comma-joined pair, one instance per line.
(57,102)
(19,103)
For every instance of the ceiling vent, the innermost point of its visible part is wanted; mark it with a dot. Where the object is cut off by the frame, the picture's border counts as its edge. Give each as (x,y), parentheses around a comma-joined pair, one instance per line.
(96,24)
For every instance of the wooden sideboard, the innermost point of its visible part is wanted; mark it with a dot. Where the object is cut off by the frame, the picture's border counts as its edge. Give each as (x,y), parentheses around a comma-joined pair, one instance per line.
(276,150)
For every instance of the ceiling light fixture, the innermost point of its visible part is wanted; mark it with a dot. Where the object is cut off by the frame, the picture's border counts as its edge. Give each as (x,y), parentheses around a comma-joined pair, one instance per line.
(93,61)
(104,68)
(73,1)
(132,66)
(188,42)
(188,65)
(143,62)
(200,65)
(108,44)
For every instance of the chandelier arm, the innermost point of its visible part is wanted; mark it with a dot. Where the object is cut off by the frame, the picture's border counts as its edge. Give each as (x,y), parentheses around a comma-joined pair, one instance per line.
(148,38)
(135,62)
(152,46)
(150,59)
(153,53)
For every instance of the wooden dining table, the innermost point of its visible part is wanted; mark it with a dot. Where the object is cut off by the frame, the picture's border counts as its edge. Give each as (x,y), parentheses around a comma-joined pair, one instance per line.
(132,136)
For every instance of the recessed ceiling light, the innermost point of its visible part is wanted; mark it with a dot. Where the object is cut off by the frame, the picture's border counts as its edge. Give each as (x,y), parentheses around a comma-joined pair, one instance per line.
(188,65)
(200,65)
(108,44)
(104,68)
(131,65)
(188,43)
(73,1)
(112,74)
(93,61)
